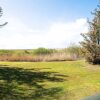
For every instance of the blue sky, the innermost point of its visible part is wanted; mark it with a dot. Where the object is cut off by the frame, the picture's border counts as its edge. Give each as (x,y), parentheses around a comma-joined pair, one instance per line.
(44,23)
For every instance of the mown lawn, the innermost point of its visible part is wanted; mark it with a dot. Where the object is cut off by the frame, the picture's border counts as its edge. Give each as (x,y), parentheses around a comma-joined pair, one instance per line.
(70,80)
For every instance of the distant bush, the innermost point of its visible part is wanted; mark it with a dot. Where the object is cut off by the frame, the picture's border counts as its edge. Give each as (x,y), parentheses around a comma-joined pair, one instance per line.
(41,54)
(43,51)
(6,52)
(21,52)
(75,51)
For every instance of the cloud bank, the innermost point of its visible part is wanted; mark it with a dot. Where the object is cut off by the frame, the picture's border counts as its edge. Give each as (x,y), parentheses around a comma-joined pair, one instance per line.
(17,35)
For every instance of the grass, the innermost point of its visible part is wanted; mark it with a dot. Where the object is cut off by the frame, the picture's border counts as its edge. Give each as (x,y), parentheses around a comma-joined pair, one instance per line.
(41,54)
(69,80)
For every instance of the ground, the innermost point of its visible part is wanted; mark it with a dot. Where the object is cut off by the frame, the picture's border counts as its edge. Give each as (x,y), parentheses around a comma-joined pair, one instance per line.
(68,80)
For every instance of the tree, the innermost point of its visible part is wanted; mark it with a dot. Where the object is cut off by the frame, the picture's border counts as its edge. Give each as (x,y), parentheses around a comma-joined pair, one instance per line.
(1,12)
(91,42)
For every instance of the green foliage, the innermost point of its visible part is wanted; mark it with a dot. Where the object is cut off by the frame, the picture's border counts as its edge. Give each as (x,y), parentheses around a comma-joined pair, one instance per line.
(91,43)
(75,50)
(6,52)
(20,52)
(43,51)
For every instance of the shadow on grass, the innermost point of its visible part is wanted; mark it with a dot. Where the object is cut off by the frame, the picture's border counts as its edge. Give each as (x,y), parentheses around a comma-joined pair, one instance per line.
(22,84)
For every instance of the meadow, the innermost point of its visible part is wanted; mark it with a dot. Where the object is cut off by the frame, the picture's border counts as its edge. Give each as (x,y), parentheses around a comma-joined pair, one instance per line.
(73,52)
(67,80)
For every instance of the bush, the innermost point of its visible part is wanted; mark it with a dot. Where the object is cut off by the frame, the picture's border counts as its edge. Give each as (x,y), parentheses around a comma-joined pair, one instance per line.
(6,52)
(43,51)
(75,51)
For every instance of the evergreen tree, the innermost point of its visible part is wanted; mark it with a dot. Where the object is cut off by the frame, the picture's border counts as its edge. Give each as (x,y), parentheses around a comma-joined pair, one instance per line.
(91,43)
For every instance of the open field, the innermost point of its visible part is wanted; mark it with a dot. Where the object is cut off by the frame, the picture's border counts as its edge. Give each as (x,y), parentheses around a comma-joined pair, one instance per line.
(42,54)
(69,80)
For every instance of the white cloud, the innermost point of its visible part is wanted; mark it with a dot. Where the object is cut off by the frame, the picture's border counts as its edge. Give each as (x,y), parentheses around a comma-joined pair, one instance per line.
(61,33)
(17,35)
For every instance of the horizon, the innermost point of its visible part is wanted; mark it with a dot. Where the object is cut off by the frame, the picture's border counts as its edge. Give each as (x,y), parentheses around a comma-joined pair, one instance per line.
(44,23)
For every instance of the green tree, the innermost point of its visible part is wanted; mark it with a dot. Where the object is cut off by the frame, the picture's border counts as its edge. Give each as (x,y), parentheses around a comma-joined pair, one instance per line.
(91,42)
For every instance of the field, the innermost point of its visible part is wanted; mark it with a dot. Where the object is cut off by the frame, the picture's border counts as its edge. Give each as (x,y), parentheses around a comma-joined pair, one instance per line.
(42,54)
(68,80)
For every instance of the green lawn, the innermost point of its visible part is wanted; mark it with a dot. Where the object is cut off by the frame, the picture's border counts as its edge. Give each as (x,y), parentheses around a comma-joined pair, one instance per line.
(70,80)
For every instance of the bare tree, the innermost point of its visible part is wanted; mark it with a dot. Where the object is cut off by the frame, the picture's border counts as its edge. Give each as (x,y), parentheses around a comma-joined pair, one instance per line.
(1,13)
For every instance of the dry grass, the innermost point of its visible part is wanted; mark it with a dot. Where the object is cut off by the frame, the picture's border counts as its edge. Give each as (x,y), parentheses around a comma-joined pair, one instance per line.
(37,58)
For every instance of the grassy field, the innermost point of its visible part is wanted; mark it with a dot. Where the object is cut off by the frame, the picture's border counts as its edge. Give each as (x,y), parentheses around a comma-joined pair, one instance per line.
(70,80)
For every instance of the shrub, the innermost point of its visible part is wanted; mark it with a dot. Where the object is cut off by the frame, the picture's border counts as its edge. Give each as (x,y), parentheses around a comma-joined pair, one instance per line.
(43,51)
(75,51)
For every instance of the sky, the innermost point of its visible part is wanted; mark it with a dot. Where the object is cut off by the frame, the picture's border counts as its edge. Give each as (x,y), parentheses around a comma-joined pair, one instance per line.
(44,23)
